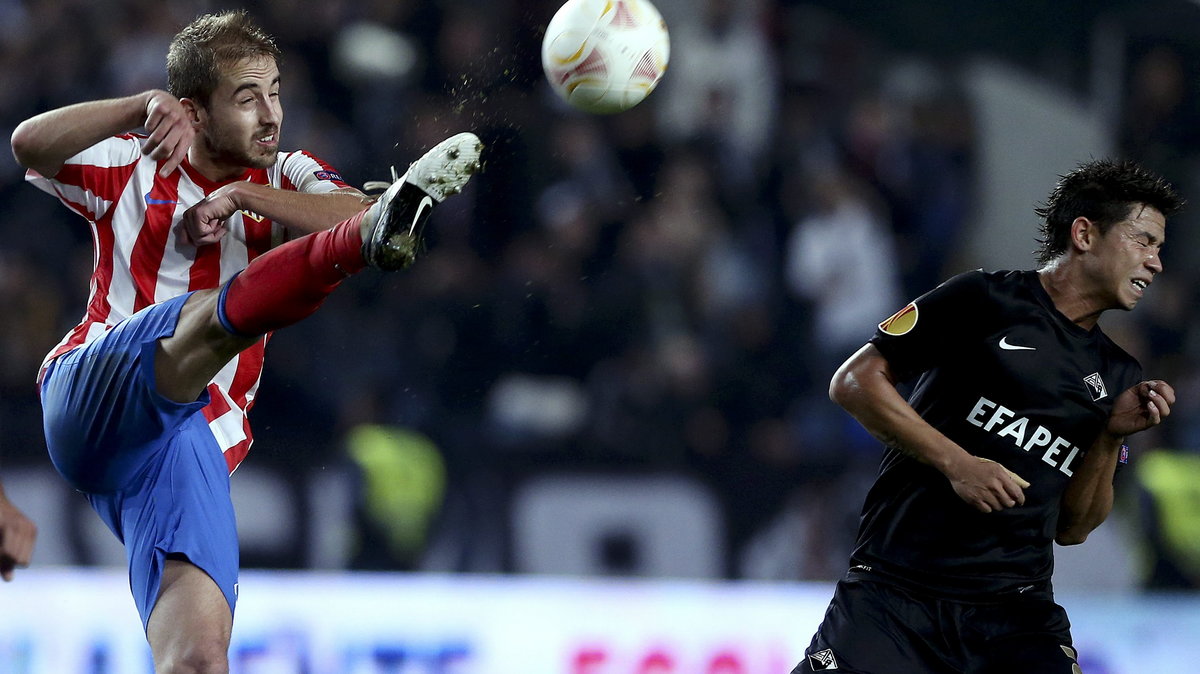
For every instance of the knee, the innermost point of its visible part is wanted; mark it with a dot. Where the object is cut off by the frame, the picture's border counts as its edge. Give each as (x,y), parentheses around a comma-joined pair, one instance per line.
(200,657)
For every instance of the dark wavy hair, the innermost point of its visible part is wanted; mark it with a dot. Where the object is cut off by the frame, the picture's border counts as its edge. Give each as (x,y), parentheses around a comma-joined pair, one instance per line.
(197,52)
(1103,191)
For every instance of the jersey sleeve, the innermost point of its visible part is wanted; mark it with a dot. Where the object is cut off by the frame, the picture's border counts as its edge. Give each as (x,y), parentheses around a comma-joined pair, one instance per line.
(931,328)
(90,182)
(303,172)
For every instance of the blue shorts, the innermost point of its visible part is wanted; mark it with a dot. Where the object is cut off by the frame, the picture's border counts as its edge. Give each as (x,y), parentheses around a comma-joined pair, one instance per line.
(150,467)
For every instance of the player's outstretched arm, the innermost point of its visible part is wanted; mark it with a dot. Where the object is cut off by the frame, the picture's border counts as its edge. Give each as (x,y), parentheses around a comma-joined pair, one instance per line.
(44,142)
(866,388)
(17,534)
(1088,498)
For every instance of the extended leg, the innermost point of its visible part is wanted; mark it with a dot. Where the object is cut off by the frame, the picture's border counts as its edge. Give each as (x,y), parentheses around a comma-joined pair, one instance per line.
(290,282)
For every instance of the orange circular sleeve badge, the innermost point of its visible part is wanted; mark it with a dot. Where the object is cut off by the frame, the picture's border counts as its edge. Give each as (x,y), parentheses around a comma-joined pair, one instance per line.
(901,322)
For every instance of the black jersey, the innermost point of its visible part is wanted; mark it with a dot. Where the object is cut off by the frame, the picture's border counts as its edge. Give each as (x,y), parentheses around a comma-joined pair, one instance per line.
(1009,378)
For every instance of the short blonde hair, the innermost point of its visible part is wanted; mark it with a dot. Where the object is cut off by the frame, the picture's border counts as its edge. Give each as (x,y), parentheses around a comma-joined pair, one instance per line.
(198,52)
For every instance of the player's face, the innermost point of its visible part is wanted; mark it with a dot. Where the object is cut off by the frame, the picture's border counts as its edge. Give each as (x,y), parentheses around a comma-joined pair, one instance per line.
(1127,255)
(241,123)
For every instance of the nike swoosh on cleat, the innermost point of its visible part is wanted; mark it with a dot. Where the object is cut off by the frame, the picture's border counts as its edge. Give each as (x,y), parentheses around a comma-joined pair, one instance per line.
(1014,347)
(151,201)
(426,203)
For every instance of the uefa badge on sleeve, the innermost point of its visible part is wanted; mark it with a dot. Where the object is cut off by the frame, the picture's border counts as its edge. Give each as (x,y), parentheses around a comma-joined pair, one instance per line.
(901,322)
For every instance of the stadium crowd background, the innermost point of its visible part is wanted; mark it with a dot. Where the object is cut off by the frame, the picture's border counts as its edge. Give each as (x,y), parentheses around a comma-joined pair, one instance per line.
(662,292)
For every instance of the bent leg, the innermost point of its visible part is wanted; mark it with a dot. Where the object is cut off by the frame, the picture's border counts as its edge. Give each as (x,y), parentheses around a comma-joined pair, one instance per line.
(277,289)
(190,626)
(188,360)
(290,282)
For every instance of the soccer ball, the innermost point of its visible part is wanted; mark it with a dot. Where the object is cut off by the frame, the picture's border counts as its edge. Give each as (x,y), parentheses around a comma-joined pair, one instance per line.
(605,56)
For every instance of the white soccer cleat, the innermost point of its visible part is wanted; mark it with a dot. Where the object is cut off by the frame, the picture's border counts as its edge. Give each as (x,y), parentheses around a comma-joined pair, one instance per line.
(393,225)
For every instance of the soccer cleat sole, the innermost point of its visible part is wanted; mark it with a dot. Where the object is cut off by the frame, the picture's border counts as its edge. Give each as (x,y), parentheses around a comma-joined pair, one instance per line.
(444,170)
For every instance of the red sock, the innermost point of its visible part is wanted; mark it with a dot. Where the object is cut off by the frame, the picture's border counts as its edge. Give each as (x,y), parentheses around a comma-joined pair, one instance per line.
(288,283)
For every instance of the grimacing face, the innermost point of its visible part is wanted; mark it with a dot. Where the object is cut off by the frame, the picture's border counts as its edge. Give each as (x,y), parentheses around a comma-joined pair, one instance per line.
(240,126)
(1127,256)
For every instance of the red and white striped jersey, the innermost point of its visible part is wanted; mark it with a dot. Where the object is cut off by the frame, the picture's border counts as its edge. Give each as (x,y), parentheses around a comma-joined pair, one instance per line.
(141,255)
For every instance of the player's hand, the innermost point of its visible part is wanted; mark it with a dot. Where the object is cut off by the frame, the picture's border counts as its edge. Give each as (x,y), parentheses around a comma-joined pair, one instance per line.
(987,485)
(1140,406)
(204,223)
(170,130)
(17,534)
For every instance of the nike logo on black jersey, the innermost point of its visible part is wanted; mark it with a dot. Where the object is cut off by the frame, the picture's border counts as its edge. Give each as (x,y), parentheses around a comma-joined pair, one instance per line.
(1004,344)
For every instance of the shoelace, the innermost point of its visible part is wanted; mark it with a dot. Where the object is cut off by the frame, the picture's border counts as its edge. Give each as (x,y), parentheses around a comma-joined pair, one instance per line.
(380,185)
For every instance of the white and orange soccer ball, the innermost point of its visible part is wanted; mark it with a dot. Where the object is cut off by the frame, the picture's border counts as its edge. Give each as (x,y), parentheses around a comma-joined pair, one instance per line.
(605,56)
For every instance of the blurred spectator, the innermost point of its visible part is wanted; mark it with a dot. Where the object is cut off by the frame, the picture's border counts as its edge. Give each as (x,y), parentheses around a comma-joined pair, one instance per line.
(1158,123)
(911,140)
(722,86)
(402,489)
(842,261)
(1169,494)
(30,304)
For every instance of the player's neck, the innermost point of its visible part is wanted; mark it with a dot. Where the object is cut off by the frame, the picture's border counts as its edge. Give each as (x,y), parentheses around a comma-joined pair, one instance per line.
(1071,296)
(210,168)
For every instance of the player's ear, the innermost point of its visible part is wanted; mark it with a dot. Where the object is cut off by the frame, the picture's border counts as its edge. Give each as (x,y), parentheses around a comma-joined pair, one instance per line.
(197,114)
(1083,233)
